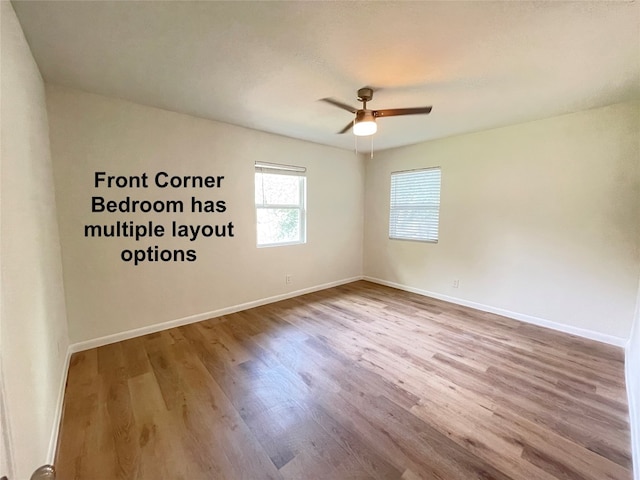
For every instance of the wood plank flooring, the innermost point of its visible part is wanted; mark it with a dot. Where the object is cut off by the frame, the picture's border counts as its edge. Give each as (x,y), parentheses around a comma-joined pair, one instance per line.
(355,382)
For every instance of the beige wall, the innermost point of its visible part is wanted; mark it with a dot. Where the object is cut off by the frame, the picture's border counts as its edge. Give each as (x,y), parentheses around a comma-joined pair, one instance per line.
(33,339)
(541,220)
(106,296)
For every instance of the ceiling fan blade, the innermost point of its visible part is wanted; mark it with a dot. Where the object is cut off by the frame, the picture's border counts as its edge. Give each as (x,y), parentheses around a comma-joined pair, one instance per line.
(347,128)
(339,104)
(394,112)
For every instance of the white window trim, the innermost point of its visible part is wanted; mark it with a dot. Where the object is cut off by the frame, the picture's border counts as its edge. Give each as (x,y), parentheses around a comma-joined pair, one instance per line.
(300,172)
(415,207)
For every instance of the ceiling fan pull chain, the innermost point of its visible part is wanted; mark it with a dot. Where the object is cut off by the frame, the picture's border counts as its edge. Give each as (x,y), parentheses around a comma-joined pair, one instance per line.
(371,147)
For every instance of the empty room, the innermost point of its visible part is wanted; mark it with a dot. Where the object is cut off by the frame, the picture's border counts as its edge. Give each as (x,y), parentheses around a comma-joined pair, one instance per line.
(308,240)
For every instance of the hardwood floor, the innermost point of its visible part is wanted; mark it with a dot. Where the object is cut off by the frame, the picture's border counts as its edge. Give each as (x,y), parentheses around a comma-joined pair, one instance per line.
(355,382)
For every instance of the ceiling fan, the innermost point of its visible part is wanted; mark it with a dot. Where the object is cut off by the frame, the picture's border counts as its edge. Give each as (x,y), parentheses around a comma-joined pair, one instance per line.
(364,122)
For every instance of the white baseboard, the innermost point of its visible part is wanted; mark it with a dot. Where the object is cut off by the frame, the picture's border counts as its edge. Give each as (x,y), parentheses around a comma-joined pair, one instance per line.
(117,337)
(158,327)
(580,332)
(57,414)
(7,460)
(634,414)
(634,422)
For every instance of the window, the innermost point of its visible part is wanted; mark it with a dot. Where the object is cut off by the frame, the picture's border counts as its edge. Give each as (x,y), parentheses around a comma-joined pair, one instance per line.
(415,205)
(280,204)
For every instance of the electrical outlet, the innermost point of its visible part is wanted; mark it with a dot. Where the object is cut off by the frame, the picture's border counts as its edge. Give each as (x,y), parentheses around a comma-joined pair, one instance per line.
(288,279)
(456,283)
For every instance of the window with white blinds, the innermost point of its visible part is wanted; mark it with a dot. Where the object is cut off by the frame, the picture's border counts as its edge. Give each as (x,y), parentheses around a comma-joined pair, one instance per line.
(280,194)
(415,205)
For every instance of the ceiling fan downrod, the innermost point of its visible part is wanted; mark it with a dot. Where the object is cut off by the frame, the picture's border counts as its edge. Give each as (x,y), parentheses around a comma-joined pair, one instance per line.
(365,94)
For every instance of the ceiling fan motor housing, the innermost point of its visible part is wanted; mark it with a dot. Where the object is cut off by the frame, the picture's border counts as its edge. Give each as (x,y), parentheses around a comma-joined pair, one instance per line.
(365,94)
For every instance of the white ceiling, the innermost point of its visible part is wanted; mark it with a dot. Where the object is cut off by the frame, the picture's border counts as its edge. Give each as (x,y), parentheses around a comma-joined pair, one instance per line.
(264,65)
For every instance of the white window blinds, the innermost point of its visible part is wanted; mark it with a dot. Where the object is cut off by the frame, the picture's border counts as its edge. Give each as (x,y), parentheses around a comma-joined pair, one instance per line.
(415,205)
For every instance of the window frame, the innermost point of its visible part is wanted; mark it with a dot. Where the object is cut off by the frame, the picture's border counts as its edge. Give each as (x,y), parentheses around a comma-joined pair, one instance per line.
(425,207)
(301,207)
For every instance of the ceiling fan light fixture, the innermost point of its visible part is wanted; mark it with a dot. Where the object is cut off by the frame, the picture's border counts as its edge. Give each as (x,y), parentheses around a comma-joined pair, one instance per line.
(365,124)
